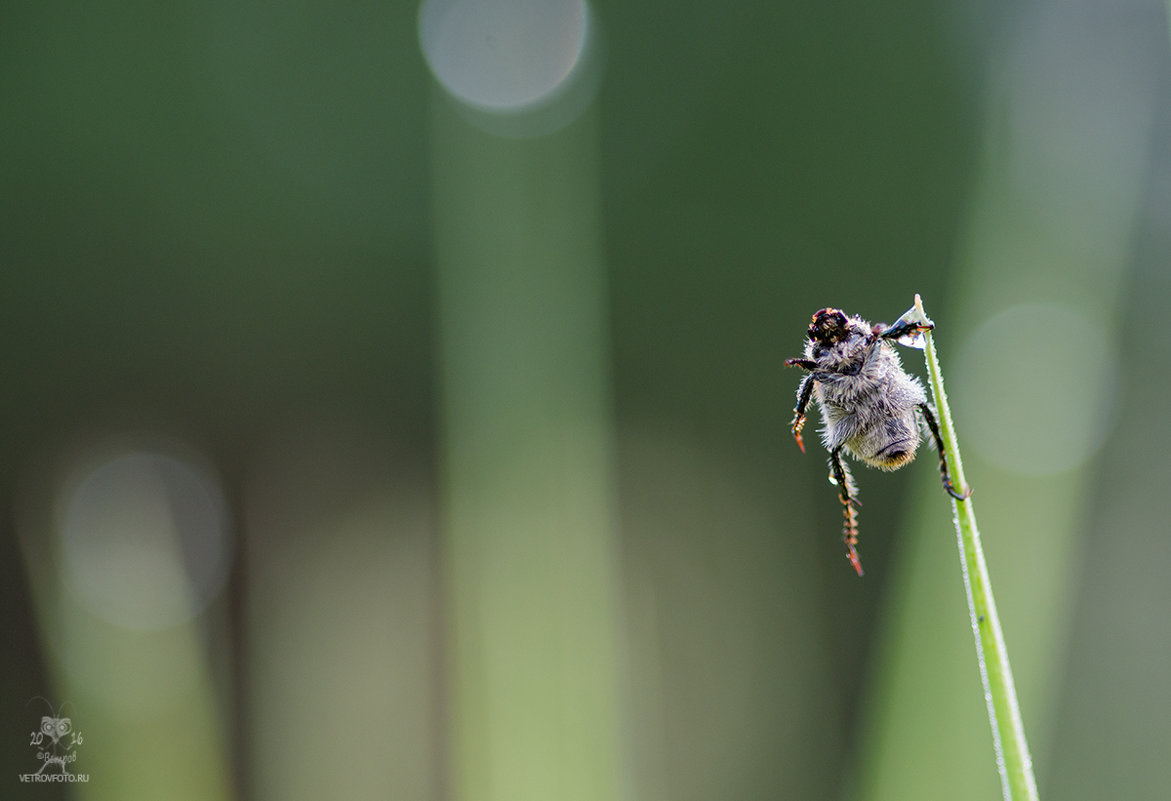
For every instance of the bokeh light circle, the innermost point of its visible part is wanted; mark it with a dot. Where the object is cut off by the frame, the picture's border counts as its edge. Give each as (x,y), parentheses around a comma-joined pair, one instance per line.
(1034,390)
(503,55)
(144,538)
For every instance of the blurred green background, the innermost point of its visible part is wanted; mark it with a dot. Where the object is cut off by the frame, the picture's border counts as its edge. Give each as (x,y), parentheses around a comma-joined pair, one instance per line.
(393,402)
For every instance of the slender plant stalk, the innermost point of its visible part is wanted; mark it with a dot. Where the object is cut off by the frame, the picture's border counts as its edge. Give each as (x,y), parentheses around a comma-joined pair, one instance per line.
(1008,732)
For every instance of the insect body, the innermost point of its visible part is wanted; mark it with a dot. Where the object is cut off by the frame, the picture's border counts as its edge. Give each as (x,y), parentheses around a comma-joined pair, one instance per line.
(870,407)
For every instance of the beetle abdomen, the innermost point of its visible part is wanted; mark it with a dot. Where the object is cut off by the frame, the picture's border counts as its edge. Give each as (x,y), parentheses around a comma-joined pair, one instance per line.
(889,445)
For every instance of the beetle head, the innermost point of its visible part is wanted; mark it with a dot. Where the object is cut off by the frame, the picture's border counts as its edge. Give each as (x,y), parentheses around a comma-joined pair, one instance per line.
(829,326)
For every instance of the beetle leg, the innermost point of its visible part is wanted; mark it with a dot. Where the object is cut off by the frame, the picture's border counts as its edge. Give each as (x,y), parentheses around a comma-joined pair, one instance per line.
(803,393)
(846,493)
(929,416)
(903,328)
(804,364)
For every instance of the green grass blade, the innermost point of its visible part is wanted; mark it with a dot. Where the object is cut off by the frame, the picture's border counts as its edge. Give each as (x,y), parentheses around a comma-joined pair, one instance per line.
(1008,732)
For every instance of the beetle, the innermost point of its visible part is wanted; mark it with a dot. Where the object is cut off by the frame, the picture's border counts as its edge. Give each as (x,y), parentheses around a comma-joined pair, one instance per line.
(871,408)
